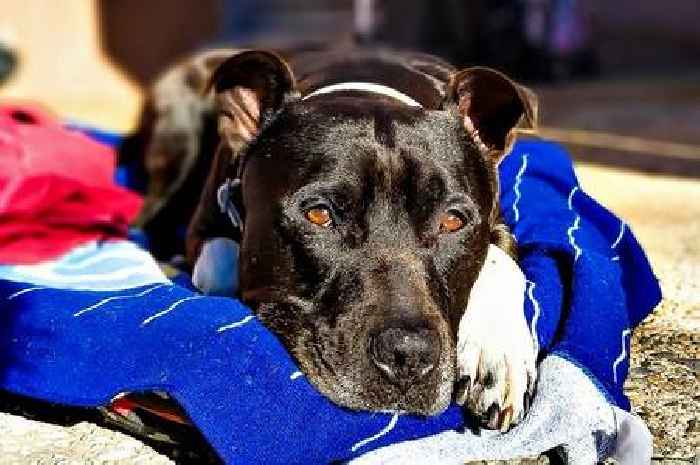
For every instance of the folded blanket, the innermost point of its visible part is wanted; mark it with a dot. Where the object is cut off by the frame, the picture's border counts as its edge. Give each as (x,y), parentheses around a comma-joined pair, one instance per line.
(589,285)
(56,188)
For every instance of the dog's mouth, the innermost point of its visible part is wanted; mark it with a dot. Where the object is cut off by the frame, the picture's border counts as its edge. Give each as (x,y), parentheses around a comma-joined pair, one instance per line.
(407,383)
(403,367)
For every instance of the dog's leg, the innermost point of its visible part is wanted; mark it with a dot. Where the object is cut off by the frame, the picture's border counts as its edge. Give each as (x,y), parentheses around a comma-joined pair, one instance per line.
(495,352)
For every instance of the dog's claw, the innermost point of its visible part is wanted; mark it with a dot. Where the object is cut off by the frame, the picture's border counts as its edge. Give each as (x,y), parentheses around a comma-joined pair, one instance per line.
(499,392)
(526,406)
(463,388)
(506,419)
(492,416)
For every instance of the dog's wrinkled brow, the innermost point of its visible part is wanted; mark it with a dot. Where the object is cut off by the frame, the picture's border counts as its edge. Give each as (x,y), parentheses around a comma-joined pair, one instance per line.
(384,129)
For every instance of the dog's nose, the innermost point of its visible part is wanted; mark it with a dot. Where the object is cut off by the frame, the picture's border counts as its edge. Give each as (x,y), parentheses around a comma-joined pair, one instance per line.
(405,355)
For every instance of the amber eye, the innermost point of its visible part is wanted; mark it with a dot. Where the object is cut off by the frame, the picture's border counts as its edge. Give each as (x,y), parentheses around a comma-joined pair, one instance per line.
(451,221)
(319,216)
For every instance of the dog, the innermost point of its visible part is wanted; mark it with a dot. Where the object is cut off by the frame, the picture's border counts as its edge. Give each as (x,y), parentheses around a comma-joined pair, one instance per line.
(356,192)
(172,148)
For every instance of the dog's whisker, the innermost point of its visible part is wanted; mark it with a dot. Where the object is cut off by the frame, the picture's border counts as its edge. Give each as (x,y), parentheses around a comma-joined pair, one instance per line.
(264,294)
(304,304)
(271,295)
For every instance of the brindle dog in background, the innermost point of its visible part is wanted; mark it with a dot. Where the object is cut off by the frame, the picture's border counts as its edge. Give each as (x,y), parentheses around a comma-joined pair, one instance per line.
(172,149)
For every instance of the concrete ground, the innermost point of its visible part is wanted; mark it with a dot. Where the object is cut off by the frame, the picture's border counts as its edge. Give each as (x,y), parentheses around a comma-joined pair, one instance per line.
(664,379)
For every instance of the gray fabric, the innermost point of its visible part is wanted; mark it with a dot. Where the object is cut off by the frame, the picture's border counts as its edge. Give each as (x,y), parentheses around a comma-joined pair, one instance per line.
(568,412)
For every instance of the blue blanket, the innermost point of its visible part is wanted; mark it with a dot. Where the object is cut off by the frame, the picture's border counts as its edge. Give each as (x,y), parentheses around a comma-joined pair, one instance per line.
(122,328)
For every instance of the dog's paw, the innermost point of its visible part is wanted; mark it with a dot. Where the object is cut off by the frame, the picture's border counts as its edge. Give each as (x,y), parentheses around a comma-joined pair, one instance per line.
(496,355)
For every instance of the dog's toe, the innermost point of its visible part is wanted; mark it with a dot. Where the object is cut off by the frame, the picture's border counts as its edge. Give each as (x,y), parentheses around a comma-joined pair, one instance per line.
(496,378)
(486,400)
(496,374)
(500,395)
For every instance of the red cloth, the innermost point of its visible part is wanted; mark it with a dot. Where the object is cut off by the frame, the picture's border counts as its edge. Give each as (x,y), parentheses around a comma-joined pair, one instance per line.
(56,189)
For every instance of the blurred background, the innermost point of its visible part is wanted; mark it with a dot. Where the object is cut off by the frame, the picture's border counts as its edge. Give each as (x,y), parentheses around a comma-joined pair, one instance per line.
(618,82)
(623,75)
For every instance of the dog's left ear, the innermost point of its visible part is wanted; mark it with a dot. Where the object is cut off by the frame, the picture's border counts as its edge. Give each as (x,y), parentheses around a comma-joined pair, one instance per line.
(492,106)
(250,86)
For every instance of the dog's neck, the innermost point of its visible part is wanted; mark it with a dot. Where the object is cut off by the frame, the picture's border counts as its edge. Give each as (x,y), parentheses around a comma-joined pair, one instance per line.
(369,87)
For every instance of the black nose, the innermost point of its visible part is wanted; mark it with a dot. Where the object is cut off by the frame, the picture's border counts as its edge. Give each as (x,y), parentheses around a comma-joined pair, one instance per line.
(405,355)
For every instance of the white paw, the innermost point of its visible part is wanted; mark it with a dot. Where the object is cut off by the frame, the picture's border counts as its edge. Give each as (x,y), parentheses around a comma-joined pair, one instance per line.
(496,355)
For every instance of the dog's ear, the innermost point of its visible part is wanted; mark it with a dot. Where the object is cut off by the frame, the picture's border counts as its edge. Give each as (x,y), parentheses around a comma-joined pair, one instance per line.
(250,87)
(492,106)
(132,148)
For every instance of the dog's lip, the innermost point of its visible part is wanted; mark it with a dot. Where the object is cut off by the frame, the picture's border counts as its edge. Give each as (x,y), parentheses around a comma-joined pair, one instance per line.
(266,294)
(260,294)
(398,402)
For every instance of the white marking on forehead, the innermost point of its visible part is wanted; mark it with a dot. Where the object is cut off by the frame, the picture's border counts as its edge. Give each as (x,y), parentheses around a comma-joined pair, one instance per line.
(366,87)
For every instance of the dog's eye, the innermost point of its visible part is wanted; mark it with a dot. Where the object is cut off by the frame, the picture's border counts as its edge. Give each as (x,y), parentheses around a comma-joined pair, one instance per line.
(451,221)
(319,216)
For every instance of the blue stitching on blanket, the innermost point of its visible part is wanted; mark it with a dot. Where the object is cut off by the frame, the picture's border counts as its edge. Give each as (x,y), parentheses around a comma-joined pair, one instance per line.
(118,297)
(535,316)
(623,353)
(235,324)
(24,291)
(169,309)
(516,188)
(619,236)
(574,227)
(617,241)
(382,432)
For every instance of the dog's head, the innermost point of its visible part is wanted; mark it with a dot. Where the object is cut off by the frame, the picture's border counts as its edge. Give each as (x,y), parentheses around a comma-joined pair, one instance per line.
(366,223)
(172,119)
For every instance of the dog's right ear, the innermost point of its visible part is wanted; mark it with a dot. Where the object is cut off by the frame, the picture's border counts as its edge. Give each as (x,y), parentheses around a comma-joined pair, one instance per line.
(492,106)
(250,87)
